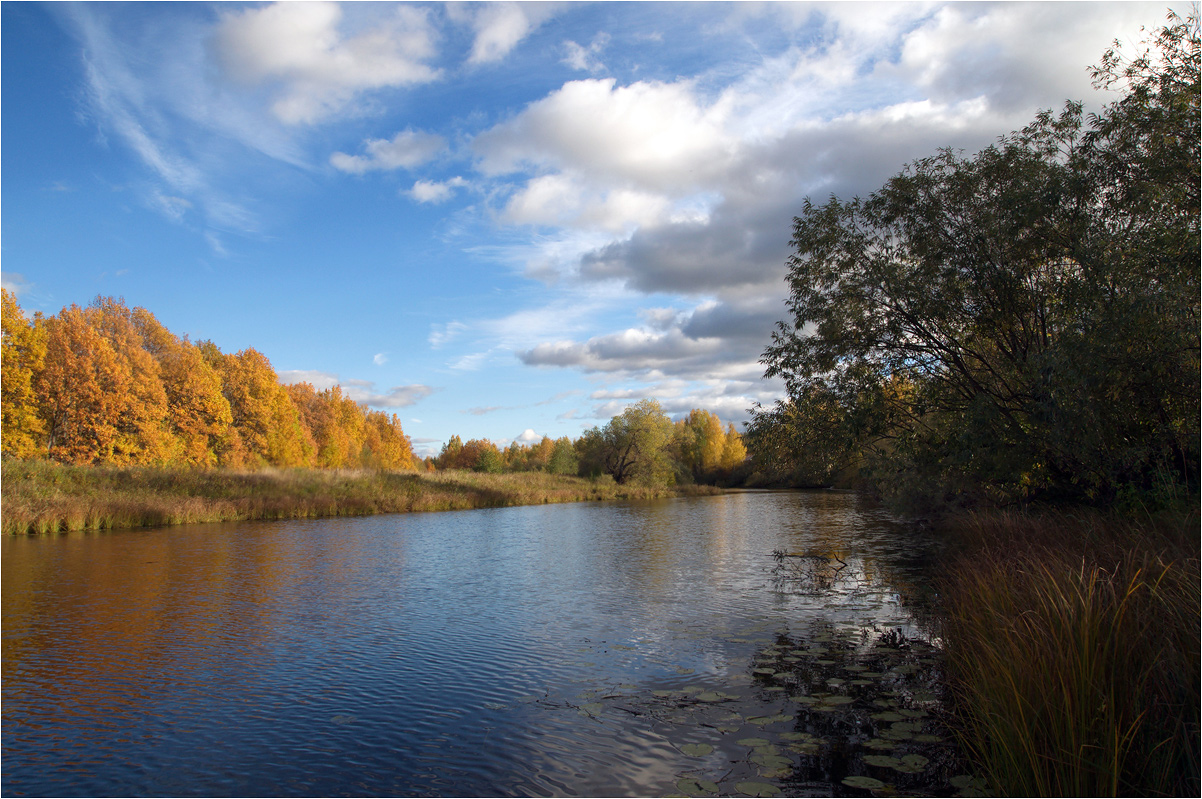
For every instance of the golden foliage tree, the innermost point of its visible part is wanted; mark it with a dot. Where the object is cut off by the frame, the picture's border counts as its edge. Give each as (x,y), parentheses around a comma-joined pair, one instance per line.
(81,390)
(143,435)
(22,351)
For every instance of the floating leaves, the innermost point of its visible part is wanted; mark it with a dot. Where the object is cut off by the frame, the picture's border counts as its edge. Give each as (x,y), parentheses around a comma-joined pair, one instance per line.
(867,783)
(695,750)
(752,788)
(694,786)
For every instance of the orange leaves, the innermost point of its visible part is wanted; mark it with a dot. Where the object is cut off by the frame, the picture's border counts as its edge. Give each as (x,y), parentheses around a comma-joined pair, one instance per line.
(107,384)
(22,351)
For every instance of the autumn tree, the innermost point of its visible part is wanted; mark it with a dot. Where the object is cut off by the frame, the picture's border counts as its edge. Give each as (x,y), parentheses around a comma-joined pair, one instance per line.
(449,453)
(143,430)
(81,390)
(22,351)
(385,444)
(198,413)
(268,426)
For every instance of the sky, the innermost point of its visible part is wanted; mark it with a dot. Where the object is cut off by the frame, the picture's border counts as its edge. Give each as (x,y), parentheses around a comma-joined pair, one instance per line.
(496,220)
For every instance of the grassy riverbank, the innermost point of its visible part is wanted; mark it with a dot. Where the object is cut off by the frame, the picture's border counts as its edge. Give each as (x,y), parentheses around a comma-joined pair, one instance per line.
(42,497)
(1073,651)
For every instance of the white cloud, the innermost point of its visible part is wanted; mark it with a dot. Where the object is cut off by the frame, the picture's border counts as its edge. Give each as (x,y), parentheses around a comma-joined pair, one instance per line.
(379,359)
(14,282)
(361,391)
(586,58)
(429,191)
(441,334)
(315,68)
(407,149)
(653,136)
(500,26)
(528,436)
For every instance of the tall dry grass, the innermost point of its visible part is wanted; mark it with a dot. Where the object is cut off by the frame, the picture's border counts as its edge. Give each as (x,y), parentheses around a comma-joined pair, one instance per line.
(44,497)
(1073,650)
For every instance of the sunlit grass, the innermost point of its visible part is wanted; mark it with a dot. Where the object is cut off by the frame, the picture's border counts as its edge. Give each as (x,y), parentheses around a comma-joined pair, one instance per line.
(1073,650)
(42,497)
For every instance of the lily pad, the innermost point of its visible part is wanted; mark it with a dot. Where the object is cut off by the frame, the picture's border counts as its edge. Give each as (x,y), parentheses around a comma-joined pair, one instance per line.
(771,761)
(805,748)
(751,788)
(591,708)
(765,672)
(966,781)
(709,696)
(880,743)
(867,783)
(695,750)
(927,738)
(796,736)
(805,700)
(881,760)
(887,715)
(754,742)
(762,720)
(838,699)
(692,786)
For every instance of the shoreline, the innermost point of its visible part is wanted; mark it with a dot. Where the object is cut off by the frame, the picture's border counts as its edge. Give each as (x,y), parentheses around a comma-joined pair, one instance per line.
(40,497)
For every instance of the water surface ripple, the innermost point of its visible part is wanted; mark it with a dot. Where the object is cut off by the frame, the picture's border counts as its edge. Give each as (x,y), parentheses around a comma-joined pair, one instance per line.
(548,650)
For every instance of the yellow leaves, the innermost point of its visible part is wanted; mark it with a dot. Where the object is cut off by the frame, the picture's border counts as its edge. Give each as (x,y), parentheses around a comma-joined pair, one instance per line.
(107,384)
(22,351)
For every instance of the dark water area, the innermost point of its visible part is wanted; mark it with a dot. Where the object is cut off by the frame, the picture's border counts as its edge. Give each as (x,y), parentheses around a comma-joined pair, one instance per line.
(592,649)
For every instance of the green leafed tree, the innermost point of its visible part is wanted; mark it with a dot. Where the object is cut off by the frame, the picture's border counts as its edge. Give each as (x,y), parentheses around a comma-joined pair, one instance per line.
(633,446)
(1016,323)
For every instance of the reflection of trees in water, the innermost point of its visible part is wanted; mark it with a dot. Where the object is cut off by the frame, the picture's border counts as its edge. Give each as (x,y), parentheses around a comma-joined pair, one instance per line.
(814,575)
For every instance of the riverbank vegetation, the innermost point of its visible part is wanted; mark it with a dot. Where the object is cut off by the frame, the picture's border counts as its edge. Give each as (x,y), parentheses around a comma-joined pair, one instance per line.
(1072,648)
(1016,332)
(110,420)
(46,497)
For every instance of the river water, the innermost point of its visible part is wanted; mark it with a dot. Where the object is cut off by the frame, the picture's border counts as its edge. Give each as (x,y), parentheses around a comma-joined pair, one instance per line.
(591,649)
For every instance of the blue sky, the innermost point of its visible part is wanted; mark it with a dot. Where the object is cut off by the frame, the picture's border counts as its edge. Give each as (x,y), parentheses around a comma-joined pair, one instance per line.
(497,220)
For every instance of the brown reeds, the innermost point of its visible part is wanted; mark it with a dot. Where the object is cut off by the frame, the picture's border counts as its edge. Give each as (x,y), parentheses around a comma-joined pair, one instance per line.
(1073,650)
(43,497)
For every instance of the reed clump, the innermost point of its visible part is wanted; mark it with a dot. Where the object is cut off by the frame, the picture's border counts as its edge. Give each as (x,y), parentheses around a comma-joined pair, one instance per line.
(1073,651)
(45,497)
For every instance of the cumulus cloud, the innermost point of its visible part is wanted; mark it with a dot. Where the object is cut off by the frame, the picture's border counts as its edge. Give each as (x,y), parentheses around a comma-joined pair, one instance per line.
(651,135)
(316,68)
(379,359)
(407,149)
(430,191)
(528,436)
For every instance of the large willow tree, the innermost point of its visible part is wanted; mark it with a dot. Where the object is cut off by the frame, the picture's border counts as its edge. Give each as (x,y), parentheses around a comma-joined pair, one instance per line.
(1018,323)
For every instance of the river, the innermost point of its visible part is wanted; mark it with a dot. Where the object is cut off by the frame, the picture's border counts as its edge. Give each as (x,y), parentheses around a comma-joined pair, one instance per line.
(594,649)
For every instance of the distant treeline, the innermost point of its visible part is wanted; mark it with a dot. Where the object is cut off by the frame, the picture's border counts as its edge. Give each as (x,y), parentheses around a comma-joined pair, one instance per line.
(108,384)
(641,446)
